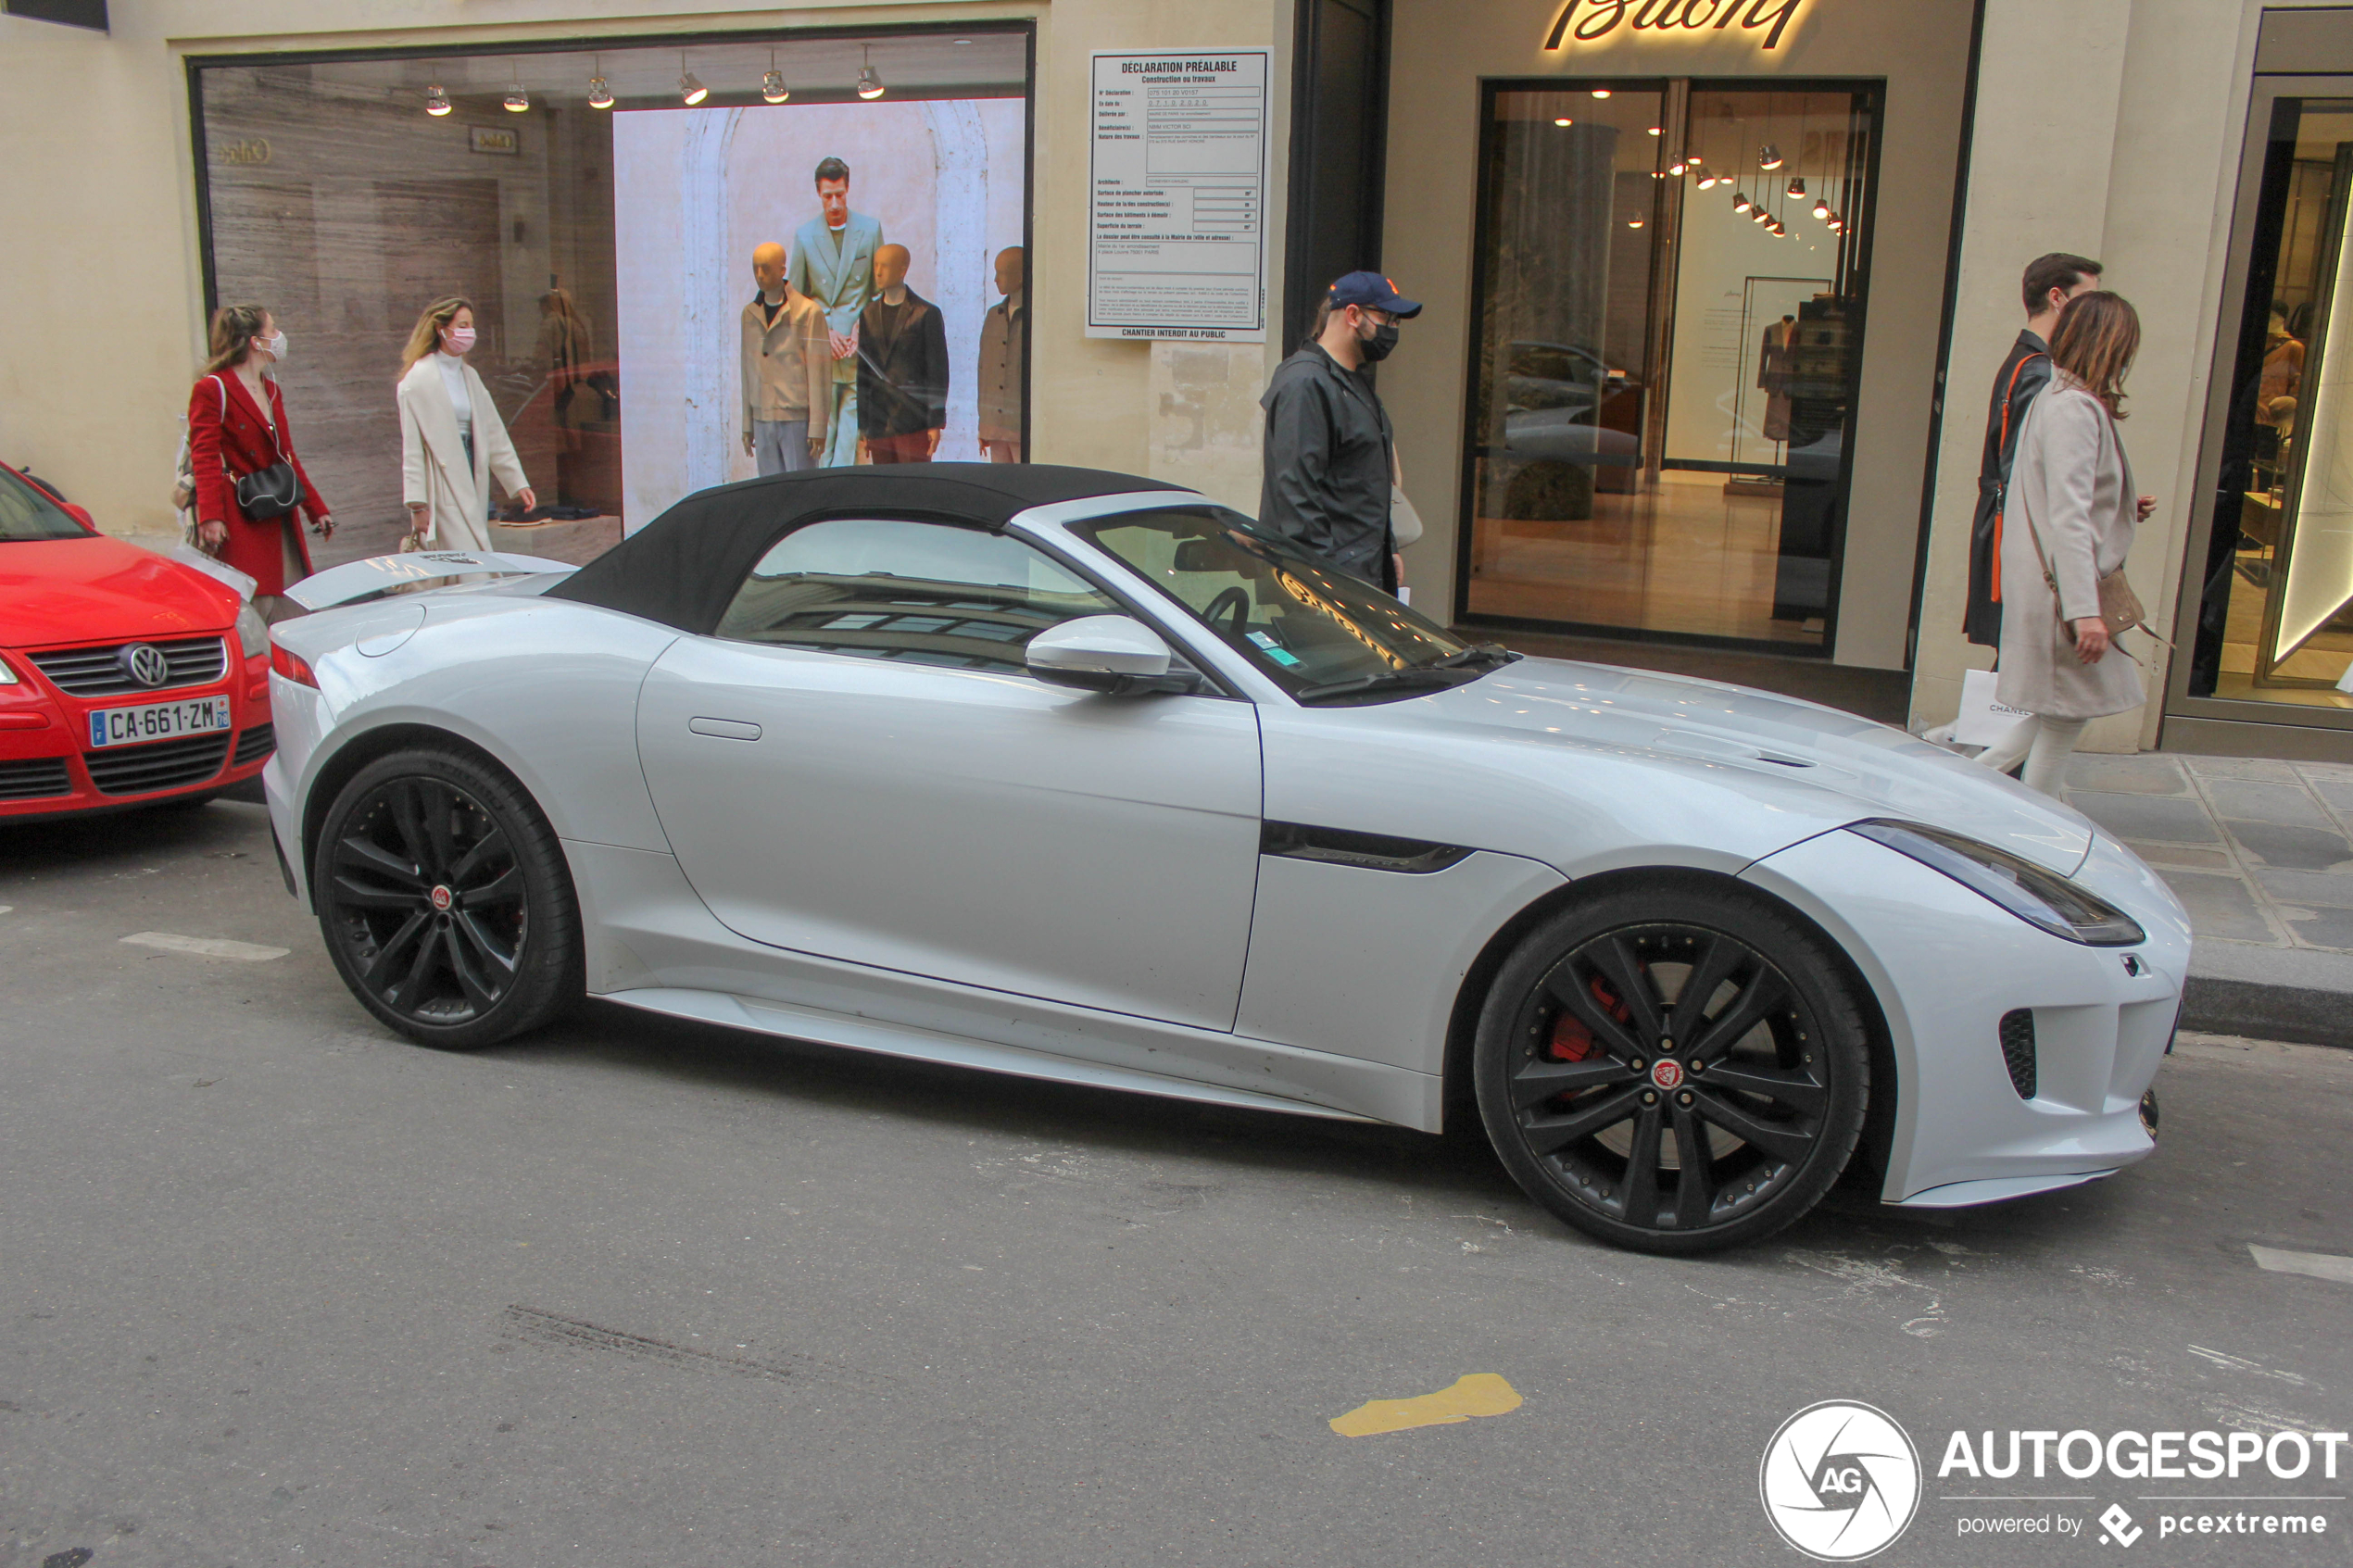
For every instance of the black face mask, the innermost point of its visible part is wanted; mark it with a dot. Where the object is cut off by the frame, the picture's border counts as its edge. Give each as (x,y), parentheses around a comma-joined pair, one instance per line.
(1377,347)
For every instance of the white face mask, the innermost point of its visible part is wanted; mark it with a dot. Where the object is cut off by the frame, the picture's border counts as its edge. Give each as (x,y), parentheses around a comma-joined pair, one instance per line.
(276,345)
(461,339)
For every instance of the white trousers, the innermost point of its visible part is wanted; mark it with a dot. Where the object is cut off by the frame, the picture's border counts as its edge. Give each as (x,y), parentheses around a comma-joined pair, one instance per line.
(2046,744)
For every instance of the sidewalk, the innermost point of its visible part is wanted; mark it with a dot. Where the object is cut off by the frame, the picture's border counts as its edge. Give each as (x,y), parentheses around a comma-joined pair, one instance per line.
(2261,852)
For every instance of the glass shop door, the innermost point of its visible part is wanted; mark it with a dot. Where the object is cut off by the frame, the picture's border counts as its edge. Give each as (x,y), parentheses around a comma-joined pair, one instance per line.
(1670,282)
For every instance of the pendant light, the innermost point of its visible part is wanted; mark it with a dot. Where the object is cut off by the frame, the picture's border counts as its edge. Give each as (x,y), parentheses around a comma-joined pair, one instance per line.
(1633,223)
(1797,184)
(1769,158)
(1600,92)
(1741,205)
(518,101)
(690,88)
(1564,121)
(599,95)
(869,86)
(436,101)
(771,86)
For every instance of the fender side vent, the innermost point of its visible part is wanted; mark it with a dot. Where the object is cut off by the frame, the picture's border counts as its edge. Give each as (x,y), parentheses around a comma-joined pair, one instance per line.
(2018,1050)
(1373,851)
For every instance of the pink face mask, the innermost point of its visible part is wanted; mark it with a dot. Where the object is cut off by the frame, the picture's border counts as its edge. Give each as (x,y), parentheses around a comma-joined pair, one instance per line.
(460,339)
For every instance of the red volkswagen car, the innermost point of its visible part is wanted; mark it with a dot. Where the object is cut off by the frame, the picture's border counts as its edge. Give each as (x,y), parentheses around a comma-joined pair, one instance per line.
(126,678)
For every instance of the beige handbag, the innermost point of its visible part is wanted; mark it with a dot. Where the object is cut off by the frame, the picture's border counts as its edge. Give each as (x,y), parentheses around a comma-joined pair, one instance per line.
(1405,523)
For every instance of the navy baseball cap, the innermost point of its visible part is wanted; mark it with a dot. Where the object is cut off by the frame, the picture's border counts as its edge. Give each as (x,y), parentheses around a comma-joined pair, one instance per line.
(1375,292)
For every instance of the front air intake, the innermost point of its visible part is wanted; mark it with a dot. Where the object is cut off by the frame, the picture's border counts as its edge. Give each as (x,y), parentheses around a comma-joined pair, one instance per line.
(2018,1050)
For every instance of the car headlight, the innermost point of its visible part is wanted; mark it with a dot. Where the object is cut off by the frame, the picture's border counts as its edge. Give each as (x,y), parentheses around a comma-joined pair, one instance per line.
(2038,896)
(253,632)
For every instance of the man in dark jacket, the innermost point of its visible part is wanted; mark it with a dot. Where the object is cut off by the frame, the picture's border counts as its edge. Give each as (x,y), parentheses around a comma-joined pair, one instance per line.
(2050,282)
(1329,443)
(902,368)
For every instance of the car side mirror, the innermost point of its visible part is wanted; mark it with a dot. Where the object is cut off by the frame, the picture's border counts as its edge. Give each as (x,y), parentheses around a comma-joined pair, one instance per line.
(1116,655)
(80,514)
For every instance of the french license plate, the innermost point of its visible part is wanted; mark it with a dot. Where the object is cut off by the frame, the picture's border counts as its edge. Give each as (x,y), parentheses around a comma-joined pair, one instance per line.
(157,721)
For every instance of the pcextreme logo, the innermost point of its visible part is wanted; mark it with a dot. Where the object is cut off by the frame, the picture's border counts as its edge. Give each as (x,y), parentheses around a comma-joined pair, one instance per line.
(1840,1481)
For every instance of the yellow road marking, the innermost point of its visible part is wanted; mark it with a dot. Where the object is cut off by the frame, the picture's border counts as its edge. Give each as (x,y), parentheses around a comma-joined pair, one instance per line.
(1478,1393)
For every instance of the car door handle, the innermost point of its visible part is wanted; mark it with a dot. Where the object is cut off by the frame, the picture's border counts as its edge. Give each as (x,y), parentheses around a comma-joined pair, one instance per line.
(725,729)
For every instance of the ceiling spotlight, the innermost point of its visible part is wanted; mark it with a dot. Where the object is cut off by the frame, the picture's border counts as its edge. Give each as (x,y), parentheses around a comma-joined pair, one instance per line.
(1653,131)
(1633,223)
(1768,157)
(771,86)
(1759,215)
(437,102)
(1740,202)
(1797,184)
(1821,207)
(869,86)
(599,95)
(1600,92)
(1675,168)
(1696,158)
(1837,224)
(690,88)
(1658,174)
(1564,119)
(1707,182)
(518,101)
(1777,228)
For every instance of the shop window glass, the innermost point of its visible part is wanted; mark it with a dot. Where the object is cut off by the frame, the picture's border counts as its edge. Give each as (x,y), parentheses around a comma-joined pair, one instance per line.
(2275,620)
(606,248)
(1670,331)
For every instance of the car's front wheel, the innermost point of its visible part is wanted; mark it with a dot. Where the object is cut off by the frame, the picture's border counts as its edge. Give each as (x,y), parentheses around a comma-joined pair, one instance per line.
(1676,1069)
(445,900)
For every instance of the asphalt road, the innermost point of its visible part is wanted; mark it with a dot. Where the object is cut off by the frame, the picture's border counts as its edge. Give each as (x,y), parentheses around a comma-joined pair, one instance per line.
(283,1288)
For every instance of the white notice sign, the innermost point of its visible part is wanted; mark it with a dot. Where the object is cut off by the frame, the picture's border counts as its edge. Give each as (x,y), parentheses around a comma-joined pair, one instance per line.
(1178,240)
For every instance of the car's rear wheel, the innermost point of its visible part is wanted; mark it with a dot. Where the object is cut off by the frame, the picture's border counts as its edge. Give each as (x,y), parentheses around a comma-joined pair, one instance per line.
(1676,1068)
(445,902)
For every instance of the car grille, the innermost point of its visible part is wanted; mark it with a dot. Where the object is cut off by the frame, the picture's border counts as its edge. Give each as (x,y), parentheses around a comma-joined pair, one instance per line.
(2018,1050)
(34,777)
(136,769)
(99,672)
(254,745)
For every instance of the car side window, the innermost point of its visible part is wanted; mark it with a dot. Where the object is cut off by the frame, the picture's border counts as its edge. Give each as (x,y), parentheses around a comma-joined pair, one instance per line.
(922,593)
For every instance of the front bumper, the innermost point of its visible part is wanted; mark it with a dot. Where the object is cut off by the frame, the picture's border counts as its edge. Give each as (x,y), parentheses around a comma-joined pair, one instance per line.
(47,770)
(1947,966)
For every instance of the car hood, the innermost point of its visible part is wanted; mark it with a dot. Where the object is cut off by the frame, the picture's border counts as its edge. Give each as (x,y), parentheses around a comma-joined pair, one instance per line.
(80,590)
(1865,769)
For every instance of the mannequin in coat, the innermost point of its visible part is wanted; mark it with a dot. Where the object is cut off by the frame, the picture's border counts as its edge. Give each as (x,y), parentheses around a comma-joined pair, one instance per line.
(238,425)
(449,456)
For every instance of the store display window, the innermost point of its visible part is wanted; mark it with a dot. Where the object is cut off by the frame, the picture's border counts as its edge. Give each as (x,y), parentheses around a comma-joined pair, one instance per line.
(687,261)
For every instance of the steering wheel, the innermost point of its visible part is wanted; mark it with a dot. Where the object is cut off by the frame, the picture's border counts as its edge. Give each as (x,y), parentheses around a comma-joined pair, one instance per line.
(1240,595)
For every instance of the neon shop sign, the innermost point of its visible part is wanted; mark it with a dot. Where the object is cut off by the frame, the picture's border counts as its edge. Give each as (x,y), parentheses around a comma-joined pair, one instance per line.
(1587,22)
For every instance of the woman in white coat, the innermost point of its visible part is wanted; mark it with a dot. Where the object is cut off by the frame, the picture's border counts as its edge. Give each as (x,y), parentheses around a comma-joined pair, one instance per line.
(2074,512)
(452,442)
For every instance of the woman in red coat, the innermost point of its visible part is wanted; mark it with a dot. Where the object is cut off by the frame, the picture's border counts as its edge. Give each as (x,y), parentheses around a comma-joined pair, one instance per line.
(237,426)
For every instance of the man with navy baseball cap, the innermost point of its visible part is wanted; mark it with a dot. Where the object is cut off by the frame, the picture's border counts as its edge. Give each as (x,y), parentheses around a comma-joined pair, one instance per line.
(1330,452)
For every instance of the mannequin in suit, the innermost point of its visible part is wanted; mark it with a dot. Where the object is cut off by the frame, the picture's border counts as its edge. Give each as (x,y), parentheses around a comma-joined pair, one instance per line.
(1004,334)
(833,263)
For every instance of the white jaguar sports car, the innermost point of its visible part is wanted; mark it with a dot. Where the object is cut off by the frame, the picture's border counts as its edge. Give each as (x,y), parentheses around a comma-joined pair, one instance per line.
(1084,777)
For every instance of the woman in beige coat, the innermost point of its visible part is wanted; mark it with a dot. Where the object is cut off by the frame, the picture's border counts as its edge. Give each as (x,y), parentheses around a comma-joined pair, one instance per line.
(2071,503)
(452,441)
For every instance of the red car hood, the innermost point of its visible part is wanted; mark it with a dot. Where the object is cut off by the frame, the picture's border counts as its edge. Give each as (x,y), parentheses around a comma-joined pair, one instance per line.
(80,590)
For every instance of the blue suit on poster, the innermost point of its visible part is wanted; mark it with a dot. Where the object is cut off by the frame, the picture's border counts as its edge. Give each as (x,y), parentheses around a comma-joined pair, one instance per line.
(836,267)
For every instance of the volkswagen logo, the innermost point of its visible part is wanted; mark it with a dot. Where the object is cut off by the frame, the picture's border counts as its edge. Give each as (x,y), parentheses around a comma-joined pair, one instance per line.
(1840,1481)
(144,663)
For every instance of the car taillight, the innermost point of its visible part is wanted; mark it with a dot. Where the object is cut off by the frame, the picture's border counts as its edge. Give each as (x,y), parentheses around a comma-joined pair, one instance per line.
(293,667)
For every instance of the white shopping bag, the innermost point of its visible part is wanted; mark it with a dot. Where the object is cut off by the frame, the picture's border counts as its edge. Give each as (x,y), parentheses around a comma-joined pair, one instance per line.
(1984,722)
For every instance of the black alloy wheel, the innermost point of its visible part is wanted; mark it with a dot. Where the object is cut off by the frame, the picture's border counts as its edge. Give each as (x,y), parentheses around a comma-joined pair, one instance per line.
(445,901)
(1676,1069)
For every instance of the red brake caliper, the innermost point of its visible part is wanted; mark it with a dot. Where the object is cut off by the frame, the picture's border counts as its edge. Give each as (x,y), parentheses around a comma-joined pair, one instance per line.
(1571,1040)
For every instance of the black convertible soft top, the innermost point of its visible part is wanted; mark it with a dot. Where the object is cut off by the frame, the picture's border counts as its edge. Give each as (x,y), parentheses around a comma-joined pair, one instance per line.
(682,568)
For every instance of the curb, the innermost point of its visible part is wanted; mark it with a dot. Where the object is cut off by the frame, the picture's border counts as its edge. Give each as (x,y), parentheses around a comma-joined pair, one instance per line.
(2298,994)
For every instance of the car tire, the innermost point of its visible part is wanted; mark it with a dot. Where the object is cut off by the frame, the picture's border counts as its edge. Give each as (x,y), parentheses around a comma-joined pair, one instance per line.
(445,902)
(1657,1127)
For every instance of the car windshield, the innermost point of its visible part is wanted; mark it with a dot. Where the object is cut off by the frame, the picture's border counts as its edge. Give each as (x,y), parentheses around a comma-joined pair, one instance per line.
(1320,634)
(26,513)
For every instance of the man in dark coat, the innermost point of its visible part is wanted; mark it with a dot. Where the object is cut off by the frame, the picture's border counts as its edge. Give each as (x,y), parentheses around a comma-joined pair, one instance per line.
(902,368)
(2050,282)
(1329,463)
